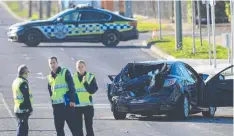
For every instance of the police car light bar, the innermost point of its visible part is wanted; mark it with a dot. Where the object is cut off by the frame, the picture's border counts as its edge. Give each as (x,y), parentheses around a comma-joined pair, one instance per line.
(79,6)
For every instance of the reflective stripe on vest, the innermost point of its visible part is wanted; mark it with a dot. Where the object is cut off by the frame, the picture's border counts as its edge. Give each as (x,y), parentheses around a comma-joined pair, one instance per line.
(59,87)
(83,97)
(18,96)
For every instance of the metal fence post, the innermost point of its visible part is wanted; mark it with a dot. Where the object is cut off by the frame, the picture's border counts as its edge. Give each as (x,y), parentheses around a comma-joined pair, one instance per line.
(213,30)
(193,23)
(208,27)
(159,20)
(232,32)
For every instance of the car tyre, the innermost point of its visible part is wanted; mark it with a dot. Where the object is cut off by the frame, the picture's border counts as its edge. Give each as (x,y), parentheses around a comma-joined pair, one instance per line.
(118,115)
(111,38)
(32,38)
(210,113)
(182,109)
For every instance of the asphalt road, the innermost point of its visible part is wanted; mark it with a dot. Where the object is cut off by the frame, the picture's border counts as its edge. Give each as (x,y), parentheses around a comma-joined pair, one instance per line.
(101,61)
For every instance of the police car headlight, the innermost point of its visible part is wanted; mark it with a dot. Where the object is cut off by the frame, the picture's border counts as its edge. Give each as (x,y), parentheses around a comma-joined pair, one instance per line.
(16,29)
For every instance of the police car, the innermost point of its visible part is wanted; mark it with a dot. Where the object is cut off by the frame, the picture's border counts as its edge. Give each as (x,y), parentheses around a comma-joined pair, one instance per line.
(81,23)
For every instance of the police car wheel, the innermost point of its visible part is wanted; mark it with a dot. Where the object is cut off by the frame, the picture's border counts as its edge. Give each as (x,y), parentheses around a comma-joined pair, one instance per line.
(32,38)
(111,38)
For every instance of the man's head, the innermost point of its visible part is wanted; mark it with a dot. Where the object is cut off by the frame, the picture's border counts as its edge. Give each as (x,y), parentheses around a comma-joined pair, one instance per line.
(53,63)
(23,71)
(81,66)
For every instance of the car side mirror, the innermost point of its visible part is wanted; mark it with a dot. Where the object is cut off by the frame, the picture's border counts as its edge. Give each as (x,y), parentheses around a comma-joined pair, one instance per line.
(204,76)
(221,77)
(60,20)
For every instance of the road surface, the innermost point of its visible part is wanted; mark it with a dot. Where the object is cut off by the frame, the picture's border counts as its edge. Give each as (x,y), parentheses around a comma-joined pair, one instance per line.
(101,61)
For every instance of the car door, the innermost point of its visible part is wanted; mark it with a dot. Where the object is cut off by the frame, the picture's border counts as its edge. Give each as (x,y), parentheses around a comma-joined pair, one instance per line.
(69,25)
(92,23)
(220,88)
(191,83)
(200,85)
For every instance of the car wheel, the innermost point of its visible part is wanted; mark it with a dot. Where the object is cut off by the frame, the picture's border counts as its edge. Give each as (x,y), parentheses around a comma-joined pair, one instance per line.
(182,108)
(118,115)
(111,38)
(32,38)
(109,96)
(210,112)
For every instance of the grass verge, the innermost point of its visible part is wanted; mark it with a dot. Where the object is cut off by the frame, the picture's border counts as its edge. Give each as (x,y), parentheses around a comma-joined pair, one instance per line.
(15,7)
(202,52)
(145,25)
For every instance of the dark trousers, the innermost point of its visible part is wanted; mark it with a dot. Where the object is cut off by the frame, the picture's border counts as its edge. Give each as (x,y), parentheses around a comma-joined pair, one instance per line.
(62,114)
(22,119)
(88,112)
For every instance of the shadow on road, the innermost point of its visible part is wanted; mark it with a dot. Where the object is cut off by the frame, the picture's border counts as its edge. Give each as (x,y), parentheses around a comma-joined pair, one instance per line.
(98,46)
(192,119)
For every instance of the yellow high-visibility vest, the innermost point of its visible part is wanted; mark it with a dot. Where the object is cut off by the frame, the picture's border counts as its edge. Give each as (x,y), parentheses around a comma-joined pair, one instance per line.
(59,87)
(18,96)
(82,95)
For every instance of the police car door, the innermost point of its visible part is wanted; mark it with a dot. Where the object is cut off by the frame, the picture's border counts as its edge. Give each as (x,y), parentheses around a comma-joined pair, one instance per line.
(67,28)
(92,23)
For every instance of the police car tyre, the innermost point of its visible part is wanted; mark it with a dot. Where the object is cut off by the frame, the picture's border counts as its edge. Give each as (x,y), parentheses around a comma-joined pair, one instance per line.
(118,115)
(210,113)
(182,109)
(111,38)
(32,38)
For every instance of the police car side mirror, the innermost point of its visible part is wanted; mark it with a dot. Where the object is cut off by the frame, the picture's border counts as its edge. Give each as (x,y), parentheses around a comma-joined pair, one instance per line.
(60,20)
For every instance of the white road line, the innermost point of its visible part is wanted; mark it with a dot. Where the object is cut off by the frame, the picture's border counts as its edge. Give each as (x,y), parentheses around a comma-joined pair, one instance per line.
(7,107)
(62,49)
(48,104)
(44,107)
(97,106)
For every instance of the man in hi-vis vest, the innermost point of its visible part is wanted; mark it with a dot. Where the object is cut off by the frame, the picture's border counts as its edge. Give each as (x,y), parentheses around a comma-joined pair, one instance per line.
(61,89)
(86,86)
(23,100)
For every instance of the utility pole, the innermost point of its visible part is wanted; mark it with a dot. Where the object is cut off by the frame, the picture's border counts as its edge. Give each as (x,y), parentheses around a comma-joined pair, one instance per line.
(199,21)
(213,30)
(30,8)
(48,10)
(128,8)
(179,44)
(159,20)
(208,27)
(40,10)
(232,32)
(193,23)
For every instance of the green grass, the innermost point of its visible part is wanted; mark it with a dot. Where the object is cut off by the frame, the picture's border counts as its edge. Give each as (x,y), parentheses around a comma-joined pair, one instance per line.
(14,6)
(146,25)
(202,52)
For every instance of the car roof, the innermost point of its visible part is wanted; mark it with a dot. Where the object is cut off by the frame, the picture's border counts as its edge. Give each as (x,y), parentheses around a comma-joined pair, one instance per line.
(155,62)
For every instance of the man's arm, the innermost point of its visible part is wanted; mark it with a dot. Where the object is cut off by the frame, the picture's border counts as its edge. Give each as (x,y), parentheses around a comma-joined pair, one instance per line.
(92,88)
(25,91)
(71,86)
(49,89)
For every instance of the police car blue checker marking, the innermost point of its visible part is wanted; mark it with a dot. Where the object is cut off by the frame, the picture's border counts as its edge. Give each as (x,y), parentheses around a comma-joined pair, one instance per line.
(84,29)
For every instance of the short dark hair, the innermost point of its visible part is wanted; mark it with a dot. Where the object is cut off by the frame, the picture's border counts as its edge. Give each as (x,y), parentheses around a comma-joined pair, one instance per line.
(55,58)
